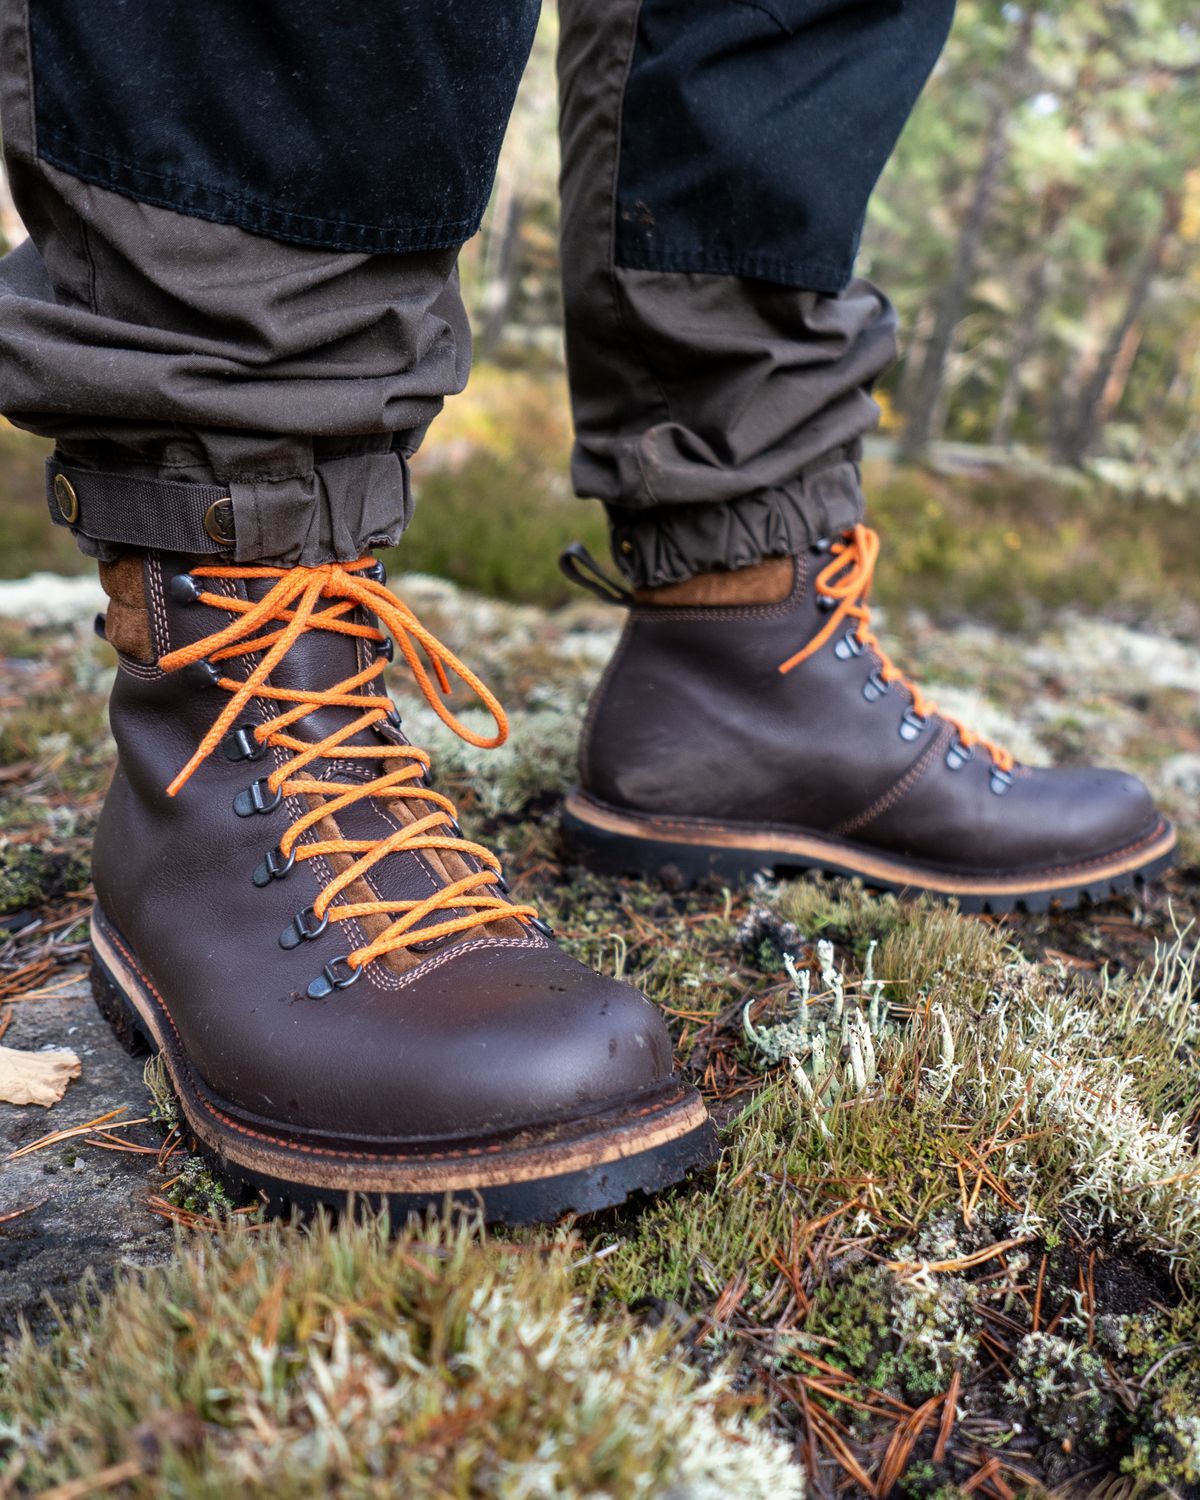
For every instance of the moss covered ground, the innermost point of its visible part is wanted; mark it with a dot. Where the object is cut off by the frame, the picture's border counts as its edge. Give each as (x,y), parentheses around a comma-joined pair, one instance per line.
(952,1245)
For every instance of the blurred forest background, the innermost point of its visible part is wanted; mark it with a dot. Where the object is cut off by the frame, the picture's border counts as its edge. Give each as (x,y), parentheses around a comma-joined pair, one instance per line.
(1039,231)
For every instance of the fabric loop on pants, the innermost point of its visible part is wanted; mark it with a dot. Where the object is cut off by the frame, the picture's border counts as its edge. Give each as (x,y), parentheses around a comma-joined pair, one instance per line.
(156,514)
(332,514)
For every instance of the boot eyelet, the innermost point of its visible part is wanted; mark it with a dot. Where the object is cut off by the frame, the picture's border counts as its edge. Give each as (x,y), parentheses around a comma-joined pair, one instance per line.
(1001,781)
(386,649)
(274,866)
(848,647)
(202,674)
(875,688)
(184,589)
(822,544)
(377,573)
(240,744)
(912,725)
(959,755)
(100,628)
(338,974)
(826,603)
(305,926)
(539,924)
(257,798)
(394,718)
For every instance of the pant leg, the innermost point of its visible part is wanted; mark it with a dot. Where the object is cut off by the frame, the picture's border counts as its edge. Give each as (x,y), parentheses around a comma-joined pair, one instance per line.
(240,281)
(718,156)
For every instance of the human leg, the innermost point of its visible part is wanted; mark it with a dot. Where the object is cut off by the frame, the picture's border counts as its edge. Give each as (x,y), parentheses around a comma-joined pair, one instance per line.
(717,163)
(345,997)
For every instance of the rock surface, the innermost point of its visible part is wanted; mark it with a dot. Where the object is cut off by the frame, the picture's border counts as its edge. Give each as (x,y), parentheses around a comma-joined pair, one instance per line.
(87,1204)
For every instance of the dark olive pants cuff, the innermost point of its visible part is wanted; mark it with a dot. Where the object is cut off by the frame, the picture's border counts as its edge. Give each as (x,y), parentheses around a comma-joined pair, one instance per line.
(668,543)
(334,512)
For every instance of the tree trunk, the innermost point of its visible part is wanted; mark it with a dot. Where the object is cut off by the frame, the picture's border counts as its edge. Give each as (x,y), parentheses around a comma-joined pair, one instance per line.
(500,262)
(923,419)
(1024,342)
(1100,394)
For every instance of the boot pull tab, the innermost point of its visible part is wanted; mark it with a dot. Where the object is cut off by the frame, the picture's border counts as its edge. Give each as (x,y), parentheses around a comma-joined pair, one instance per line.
(578,564)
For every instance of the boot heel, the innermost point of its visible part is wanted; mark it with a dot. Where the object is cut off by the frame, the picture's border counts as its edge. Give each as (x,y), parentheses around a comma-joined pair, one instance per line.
(117,1011)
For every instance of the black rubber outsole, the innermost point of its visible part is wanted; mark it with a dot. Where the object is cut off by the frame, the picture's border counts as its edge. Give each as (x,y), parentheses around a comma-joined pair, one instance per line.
(678,864)
(538,1201)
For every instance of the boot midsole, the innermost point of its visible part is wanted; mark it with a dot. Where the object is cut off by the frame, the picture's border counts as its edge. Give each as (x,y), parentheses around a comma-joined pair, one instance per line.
(587,816)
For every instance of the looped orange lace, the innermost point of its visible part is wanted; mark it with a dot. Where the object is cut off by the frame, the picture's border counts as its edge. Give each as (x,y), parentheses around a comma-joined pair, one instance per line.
(295,600)
(847,578)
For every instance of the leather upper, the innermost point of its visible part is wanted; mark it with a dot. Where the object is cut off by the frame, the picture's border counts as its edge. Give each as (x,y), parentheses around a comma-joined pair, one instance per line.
(694,719)
(494,1031)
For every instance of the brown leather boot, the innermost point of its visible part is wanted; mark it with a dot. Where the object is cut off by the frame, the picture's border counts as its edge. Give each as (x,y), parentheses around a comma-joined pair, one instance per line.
(344,997)
(751,721)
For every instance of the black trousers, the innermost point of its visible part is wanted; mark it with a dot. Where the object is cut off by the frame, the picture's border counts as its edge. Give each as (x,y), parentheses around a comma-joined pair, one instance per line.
(244,221)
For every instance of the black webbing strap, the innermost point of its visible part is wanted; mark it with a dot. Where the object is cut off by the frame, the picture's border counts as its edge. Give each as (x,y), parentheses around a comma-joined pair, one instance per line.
(155,514)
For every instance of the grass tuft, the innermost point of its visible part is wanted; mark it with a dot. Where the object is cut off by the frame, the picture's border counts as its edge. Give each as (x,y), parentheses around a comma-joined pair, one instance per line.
(355,1362)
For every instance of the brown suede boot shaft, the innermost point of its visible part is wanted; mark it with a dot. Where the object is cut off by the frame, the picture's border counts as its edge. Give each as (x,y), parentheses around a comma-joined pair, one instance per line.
(127,621)
(766,582)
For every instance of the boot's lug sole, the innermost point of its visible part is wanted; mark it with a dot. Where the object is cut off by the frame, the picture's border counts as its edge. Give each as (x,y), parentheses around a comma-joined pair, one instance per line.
(534,1177)
(621,843)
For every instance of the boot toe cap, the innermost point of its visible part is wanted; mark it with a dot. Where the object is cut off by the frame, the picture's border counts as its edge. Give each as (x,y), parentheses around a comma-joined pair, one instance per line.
(1086,813)
(492,1037)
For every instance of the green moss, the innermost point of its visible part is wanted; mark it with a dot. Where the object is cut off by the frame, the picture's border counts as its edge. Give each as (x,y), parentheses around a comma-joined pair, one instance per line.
(32,876)
(351,1362)
(856,1317)
(198,1191)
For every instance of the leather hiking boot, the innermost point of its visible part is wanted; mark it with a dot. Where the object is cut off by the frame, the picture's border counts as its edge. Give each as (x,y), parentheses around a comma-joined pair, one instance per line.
(344,997)
(752,721)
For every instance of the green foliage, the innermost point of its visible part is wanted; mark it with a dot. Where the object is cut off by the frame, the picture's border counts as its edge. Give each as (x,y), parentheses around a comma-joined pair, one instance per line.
(28,543)
(494,507)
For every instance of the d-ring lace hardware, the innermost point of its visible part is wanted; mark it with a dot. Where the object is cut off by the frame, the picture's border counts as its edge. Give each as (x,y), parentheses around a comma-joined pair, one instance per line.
(843,587)
(326,598)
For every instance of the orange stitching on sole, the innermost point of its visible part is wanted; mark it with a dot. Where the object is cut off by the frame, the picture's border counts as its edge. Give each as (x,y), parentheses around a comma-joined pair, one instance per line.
(645,827)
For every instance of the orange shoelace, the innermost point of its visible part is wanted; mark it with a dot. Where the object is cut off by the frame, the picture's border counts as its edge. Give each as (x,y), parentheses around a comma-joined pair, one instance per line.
(294,605)
(846,580)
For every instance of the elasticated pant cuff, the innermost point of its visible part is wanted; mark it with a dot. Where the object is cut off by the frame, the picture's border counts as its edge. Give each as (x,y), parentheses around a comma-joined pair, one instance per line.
(669,543)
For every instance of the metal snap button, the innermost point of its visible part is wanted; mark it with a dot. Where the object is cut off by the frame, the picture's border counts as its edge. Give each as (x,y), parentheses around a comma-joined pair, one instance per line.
(66,499)
(218,522)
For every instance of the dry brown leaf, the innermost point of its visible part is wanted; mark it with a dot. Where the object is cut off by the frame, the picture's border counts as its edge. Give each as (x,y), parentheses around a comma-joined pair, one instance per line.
(35,1077)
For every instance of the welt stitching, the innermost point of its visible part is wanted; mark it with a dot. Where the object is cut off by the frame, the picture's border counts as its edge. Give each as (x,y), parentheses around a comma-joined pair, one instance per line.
(693,825)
